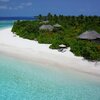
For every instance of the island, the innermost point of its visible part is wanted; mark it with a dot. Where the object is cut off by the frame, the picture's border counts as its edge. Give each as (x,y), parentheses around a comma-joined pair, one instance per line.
(66,30)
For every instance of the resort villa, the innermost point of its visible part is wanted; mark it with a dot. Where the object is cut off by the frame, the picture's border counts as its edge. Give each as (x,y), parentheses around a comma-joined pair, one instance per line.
(90,35)
(50,27)
(46,27)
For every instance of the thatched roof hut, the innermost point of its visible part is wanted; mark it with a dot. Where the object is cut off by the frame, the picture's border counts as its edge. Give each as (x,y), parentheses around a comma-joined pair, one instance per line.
(57,25)
(46,27)
(89,35)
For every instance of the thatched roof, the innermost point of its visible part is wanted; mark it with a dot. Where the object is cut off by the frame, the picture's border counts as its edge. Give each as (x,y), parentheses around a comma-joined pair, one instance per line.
(57,25)
(46,27)
(89,35)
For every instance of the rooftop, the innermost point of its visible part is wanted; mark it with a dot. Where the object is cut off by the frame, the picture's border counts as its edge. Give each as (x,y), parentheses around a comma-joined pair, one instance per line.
(90,35)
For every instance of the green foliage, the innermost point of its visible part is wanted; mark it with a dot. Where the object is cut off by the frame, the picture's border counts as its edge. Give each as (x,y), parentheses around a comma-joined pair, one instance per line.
(26,29)
(54,45)
(72,26)
(86,49)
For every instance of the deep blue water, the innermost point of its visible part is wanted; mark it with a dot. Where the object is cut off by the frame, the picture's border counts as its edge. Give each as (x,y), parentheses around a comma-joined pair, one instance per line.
(21,80)
(8,21)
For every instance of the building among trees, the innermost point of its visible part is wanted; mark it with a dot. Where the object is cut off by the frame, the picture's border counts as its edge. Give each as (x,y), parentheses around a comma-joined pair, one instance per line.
(46,27)
(89,35)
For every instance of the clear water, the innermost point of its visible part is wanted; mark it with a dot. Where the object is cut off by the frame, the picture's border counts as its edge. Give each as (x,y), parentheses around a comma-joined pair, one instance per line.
(5,24)
(20,80)
(25,81)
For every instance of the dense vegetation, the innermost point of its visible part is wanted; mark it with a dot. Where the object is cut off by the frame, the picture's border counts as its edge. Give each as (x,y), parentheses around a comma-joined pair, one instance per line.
(72,26)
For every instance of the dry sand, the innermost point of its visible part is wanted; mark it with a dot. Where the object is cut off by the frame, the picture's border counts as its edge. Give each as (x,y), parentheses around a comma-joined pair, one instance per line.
(40,53)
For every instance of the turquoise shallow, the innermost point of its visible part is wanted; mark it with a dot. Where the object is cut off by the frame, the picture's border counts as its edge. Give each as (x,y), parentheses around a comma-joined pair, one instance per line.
(4,24)
(20,80)
(24,81)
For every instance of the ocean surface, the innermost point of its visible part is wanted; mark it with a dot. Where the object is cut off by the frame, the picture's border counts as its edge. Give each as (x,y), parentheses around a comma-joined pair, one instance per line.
(21,80)
(8,21)
(5,24)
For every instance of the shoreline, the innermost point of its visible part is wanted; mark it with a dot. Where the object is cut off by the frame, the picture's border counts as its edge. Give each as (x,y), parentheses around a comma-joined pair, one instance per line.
(32,51)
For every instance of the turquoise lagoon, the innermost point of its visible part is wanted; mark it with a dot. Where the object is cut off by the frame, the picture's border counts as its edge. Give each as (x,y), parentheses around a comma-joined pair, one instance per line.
(21,80)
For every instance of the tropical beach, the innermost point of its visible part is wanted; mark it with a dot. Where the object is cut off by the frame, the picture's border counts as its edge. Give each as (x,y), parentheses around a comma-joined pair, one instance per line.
(31,50)
(49,50)
(34,70)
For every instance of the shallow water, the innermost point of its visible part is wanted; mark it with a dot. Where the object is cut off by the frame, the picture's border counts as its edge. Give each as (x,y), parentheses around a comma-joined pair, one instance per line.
(5,24)
(20,80)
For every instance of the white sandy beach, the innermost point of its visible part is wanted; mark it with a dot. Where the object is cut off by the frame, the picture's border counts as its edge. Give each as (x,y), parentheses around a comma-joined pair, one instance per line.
(40,53)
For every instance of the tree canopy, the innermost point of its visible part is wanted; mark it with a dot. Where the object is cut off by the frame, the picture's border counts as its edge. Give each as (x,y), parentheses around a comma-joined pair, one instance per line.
(72,26)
